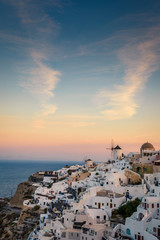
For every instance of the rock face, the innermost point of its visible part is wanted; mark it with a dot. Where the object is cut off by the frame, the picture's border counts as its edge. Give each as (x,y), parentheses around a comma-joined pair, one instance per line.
(24,191)
(36,177)
(16,224)
(7,218)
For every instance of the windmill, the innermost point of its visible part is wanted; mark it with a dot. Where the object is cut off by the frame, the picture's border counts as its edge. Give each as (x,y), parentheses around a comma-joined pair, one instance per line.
(111,148)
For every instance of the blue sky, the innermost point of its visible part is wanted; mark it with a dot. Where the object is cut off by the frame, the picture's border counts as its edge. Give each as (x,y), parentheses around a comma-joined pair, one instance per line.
(78,72)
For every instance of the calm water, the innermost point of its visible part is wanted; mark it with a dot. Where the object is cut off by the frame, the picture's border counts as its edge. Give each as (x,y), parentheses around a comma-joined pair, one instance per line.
(14,172)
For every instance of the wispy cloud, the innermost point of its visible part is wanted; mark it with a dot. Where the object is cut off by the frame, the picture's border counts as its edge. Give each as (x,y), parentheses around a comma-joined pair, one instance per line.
(48,109)
(39,78)
(42,80)
(40,118)
(14,39)
(33,13)
(139,60)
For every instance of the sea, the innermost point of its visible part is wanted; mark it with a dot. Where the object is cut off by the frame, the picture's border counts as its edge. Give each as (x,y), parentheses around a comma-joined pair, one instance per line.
(14,172)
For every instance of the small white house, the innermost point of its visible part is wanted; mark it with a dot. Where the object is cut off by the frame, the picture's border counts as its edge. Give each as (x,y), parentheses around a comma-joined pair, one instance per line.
(144,224)
(107,200)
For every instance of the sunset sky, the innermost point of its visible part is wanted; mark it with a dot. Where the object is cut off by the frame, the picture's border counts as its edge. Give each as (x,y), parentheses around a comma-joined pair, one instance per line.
(75,74)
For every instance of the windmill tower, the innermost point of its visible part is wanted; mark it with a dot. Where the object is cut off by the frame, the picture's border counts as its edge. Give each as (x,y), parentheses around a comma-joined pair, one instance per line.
(111,148)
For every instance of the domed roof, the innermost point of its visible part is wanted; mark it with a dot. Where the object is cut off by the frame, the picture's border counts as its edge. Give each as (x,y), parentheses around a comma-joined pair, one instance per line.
(147,145)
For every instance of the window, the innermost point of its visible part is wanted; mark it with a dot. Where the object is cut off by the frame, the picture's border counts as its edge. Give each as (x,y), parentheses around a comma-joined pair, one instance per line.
(95,233)
(77,234)
(110,200)
(102,204)
(152,205)
(98,217)
(128,231)
(63,234)
(114,205)
(82,237)
(92,232)
(157,205)
(107,204)
(95,203)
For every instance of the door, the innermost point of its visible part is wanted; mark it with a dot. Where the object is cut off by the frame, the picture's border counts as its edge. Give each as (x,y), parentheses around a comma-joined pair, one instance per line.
(99,205)
(139,237)
(158,231)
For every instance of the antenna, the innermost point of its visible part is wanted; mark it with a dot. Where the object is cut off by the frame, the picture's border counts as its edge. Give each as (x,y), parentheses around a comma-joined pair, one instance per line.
(111,148)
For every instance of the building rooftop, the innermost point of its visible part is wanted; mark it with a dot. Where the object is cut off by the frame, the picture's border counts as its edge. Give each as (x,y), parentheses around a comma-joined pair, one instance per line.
(117,147)
(108,193)
(147,145)
(72,230)
(96,227)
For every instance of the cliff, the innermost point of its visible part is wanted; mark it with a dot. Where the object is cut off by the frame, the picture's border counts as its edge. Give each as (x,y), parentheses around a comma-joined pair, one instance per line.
(24,191)
(36,177)
(7,218)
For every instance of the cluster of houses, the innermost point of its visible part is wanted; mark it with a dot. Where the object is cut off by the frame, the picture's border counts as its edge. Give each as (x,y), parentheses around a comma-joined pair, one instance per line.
(79,201)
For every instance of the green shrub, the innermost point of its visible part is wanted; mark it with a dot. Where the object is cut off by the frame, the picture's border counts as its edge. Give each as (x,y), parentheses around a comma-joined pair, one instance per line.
(129,208)
(37,207)
(114,213)
(45,210)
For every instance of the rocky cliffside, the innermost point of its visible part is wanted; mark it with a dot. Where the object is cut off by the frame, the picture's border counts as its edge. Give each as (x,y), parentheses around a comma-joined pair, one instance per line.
(16,224)
(36,177)
(24,191)
(7,221)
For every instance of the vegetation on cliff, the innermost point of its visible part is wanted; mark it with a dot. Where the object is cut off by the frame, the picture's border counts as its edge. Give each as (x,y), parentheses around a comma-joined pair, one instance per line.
(127,209)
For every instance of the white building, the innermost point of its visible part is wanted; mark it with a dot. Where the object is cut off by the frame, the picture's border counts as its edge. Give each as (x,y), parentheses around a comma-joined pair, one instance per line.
(93,231)
(148,153)
(117,153)
(143,224)
(107,200)
(118,182)
(89,163)
(153,183)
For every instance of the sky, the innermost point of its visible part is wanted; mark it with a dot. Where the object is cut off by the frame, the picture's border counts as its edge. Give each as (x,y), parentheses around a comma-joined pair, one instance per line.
(75,74)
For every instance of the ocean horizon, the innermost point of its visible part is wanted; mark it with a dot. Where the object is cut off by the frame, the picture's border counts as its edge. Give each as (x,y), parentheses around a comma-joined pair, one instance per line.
(13,172)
